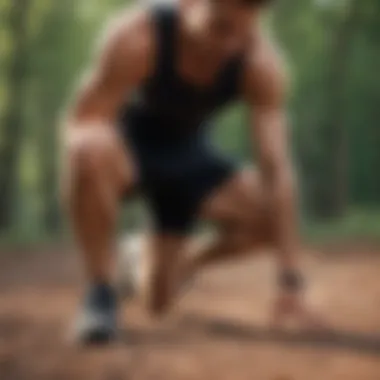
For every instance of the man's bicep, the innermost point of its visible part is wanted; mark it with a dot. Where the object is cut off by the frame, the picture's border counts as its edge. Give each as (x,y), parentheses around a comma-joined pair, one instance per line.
(265,94)
(269,127)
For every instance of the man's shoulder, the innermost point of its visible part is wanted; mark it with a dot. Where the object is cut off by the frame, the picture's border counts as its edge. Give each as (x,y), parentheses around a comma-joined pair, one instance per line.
(264,53)
(266,71)
(130,30)
(127,42)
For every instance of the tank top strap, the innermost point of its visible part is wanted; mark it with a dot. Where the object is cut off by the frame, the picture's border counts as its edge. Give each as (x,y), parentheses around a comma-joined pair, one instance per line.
(165,20)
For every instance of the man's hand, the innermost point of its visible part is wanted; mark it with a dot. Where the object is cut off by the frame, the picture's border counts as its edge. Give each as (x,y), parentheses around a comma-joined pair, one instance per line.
(292,307)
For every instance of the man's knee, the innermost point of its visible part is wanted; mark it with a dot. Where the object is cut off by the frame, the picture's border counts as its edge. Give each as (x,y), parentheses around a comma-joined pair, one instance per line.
(258,222)
(88,153)
(86,150)
(84,162)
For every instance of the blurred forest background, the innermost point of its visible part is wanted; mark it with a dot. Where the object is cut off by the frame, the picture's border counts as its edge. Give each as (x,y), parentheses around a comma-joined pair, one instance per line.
(333,49)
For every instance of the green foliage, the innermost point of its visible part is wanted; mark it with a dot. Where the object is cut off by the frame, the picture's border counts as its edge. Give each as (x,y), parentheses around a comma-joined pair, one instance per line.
(358,224)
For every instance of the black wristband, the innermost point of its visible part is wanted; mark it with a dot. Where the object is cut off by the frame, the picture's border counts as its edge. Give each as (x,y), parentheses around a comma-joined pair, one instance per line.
(291,280)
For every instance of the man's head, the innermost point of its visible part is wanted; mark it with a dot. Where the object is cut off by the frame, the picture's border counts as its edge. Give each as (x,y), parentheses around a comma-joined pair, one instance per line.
(228,22)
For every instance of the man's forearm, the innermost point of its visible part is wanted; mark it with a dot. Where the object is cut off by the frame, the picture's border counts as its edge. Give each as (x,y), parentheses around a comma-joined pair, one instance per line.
(285,220)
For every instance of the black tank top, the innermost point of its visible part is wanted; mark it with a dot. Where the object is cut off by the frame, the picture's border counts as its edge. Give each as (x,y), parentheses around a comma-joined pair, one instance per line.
(166,108)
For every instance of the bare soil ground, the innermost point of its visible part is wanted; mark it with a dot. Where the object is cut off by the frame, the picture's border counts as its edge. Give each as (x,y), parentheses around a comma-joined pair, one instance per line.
(219,331)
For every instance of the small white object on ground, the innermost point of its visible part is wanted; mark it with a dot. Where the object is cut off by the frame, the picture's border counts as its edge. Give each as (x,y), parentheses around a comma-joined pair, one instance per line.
(130,265)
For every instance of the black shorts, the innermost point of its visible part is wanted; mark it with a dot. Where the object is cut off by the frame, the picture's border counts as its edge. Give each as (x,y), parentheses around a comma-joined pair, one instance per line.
(176,176)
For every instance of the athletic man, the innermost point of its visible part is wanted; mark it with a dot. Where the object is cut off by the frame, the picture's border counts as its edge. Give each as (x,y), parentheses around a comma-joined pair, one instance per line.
(139,123)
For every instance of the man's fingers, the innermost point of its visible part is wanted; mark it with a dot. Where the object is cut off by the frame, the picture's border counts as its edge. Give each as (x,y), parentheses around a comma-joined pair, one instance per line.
(315,321)
(288,309)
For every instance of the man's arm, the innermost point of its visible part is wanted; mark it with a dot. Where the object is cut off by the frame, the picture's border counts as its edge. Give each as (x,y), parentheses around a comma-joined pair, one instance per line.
(124,60)
(265,92)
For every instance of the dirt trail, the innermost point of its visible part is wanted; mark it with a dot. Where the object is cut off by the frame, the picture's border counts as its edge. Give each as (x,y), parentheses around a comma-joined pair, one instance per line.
(219,330)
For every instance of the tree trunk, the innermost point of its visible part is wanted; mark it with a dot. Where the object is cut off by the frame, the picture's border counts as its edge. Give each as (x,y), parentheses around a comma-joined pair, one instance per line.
(334,181)
(12,122)
(48,162)
(50,90)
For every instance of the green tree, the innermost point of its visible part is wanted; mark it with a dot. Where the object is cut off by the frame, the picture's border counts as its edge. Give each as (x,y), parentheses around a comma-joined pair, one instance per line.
(12,124)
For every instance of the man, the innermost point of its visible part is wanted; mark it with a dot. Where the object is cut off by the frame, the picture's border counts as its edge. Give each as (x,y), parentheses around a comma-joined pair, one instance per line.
(139,124)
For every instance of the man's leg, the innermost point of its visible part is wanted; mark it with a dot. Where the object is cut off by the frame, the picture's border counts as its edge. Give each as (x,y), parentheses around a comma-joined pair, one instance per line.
(240,210)
(165,251)
(95,175)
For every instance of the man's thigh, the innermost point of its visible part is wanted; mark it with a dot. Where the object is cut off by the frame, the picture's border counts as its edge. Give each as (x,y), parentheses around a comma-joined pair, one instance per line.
(239,200)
